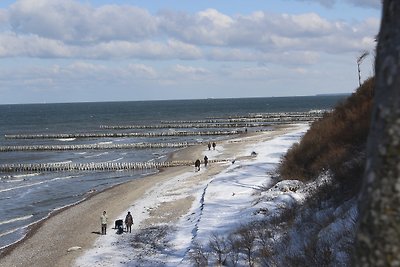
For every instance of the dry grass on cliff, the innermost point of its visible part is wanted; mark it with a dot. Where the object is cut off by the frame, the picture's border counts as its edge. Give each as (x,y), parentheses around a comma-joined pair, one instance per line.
(337,142)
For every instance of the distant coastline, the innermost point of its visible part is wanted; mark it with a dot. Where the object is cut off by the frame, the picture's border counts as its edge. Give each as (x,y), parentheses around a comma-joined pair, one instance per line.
(334,94)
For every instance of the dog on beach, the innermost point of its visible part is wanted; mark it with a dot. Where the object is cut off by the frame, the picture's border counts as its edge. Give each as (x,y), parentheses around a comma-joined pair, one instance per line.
(119,225)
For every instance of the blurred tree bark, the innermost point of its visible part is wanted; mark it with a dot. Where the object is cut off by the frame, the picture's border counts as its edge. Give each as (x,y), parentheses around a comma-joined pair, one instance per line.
(378,238)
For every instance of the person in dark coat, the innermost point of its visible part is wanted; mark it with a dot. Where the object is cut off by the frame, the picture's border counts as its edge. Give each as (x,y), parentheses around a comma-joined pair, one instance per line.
(197,165)
(205,161)
(209,146)
(129,222)
(214,145)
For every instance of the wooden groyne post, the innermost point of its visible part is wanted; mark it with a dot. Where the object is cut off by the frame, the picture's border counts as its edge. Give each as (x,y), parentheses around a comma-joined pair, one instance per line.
(95,146)
(108,135)
(100,166)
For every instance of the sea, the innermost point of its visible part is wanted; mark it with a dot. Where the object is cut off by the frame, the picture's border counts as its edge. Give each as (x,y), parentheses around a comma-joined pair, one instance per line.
(29,197)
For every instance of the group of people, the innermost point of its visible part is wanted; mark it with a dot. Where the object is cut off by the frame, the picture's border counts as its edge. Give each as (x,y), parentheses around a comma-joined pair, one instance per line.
(213,145)
(104,219)
(197,163)
(128,218)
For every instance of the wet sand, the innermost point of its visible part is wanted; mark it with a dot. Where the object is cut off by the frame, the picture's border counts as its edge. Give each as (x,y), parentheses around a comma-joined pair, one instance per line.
(79,225)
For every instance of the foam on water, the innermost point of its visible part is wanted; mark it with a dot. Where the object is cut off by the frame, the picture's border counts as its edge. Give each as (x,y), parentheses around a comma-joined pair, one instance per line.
(66,139)
(36,184)
(105,143)
(25,175)
(62,162)
(16,219)
(96,155)
(115,160)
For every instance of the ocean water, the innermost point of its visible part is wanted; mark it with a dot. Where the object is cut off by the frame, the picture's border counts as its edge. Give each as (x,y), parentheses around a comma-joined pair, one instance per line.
(26,198)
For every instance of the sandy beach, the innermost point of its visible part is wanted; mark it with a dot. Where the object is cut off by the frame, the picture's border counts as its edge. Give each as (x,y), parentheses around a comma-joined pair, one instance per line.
(79,225)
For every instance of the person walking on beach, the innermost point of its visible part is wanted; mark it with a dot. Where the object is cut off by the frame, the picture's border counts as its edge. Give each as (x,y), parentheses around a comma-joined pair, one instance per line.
(209,146)
(103,219)
(128,222)
(205,161)
(197,165)
(214,145)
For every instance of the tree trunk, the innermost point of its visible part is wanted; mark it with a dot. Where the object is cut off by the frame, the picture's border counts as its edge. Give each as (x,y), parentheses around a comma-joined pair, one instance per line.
(378,238)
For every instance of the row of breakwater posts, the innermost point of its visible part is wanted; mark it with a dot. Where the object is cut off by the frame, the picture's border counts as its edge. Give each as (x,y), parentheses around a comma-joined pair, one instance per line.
(240,122)
(178,125)
(105,135)
(95,146)
(276,118)
(208,124)
(101,166)
(264,120)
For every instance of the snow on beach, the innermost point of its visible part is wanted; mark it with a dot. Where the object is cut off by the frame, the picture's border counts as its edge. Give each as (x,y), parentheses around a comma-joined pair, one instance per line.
(222,203)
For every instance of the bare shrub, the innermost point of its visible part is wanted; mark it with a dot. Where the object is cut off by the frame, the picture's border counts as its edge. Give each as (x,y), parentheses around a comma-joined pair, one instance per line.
(285,217)
(148,242)
(324,255)
(234,250)
(310,251)
(247,238)
(296,260)
(220,247)
(198,256)
(151,238)
(265,240)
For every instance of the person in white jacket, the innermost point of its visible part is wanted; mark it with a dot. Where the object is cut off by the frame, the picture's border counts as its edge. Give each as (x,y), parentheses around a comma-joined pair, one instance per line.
(103,219)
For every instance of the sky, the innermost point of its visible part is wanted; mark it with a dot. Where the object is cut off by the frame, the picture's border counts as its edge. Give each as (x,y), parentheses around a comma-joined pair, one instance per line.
(55,51)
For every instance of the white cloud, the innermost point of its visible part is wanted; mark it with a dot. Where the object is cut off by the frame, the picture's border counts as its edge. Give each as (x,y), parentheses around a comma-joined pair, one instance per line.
(38,82)
(184,50)
(13,45)
(82,67)
(309,24)
(207,27)
(3,19)
(215,18)
(73,22)
(250,73)
(189,69)
(142,71)
(78,51)
(71,29)
(263,31)
(282,58)
(170,49)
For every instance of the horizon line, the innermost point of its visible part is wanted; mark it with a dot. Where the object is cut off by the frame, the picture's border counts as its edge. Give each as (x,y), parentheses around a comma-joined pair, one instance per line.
(183,99)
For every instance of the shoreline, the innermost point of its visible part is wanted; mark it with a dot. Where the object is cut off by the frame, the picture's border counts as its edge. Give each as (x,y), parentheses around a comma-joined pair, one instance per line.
(32,228)
(45,245)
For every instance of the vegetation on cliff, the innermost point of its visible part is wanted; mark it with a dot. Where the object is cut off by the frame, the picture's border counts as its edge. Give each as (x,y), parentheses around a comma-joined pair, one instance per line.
(335,143)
